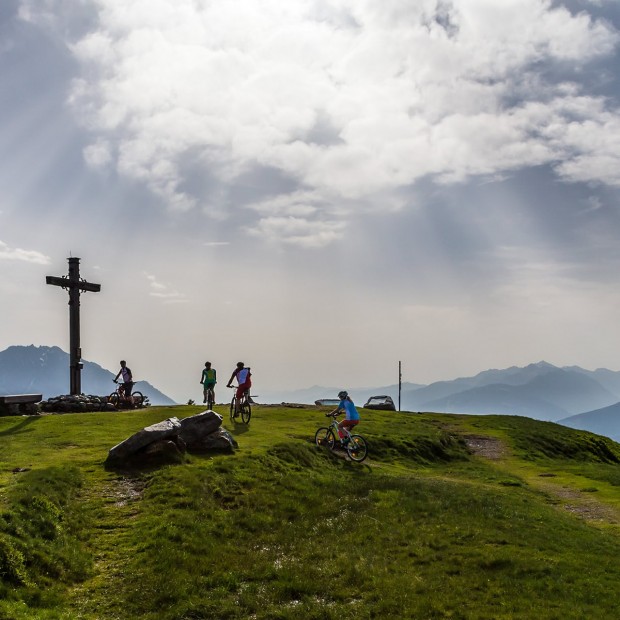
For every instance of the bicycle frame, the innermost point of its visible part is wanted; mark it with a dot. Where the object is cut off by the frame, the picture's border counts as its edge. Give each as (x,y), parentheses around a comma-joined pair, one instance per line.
(241,406)
(120,390)
(210,395)
(119,397)
(337,429)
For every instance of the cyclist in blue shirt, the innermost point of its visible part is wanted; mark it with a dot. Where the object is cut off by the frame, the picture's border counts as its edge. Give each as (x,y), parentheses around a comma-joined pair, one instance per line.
(352,417)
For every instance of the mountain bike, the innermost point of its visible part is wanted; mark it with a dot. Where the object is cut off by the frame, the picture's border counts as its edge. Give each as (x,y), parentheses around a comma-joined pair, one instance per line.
(355,445)
(118,398)
(210,400)
(242,406)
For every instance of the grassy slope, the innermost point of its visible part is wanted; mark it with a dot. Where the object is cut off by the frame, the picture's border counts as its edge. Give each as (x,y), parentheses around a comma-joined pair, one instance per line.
(280,529)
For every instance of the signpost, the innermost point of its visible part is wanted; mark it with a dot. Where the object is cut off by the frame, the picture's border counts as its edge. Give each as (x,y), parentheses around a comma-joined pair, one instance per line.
(75,285)
(400,382)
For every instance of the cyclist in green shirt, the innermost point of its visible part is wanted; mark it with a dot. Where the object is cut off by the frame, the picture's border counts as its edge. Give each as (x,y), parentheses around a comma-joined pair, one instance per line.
(208,380)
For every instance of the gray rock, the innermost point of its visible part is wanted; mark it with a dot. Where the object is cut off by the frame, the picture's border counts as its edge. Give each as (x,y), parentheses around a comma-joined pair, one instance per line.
(159,452)
(168,429)
(221,439)
(196,427)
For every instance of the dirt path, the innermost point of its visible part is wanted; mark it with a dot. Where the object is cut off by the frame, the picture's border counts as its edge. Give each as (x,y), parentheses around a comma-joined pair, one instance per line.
(487,447)
(579,503)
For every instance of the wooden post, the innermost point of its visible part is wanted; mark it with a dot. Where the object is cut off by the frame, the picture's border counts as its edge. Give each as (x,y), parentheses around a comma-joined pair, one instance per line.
(75,285)
(400,381)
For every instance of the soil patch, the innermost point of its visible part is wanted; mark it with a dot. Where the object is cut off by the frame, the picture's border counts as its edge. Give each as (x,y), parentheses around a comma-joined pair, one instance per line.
(579,503)
(486,447)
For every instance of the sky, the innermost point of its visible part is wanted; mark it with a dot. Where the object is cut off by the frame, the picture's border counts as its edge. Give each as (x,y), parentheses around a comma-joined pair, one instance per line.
(318,188)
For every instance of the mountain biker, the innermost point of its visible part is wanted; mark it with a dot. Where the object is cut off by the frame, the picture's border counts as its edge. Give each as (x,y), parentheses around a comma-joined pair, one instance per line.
(244,383)
(128,382)
(352,417)
(208,380)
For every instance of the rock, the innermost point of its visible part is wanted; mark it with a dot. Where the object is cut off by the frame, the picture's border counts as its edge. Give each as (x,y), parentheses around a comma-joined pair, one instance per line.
(196,427)
(168,429)
(159,452)
(76,404)
(221,439)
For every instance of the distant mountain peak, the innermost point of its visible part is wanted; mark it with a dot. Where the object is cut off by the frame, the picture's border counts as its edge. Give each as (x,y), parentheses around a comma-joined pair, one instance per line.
(542,364)
(42,369)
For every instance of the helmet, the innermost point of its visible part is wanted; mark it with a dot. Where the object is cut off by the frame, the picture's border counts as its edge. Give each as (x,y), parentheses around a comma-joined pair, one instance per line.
(240,364)
(342,395)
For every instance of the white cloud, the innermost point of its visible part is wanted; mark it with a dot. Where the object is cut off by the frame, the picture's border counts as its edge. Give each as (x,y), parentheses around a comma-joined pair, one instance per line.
(164,292)
(400,91)
(298,231)
(28,256)
(98,154)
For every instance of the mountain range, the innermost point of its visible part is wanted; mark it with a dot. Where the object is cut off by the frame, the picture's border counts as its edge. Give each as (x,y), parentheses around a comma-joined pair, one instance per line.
(541,391)
(45,370)
(605,421)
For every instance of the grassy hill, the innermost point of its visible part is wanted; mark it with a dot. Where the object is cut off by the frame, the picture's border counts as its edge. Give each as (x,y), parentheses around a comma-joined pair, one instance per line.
(450,517)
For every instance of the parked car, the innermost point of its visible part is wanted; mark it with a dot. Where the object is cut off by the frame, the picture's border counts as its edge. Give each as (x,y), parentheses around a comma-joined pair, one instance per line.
(327,402)
(384,403)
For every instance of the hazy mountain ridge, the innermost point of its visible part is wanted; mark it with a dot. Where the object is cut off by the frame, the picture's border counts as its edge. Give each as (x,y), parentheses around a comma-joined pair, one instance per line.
(31,369)
(540,391)
(604,421)
(316,392)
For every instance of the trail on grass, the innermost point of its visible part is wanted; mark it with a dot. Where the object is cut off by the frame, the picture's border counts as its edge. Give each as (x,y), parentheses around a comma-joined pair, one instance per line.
(568,498)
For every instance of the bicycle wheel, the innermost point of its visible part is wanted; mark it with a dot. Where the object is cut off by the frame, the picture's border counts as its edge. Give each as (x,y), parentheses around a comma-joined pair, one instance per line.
(325,438)
(138,399)
(246,412)
(210,399)
(114,399)
(232,409)
(357,449)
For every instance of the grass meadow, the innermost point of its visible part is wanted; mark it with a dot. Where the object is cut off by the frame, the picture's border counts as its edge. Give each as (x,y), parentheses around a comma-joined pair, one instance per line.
(280,529)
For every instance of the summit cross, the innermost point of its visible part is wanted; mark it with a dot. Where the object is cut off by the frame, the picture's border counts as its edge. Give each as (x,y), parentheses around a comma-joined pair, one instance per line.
(75,285)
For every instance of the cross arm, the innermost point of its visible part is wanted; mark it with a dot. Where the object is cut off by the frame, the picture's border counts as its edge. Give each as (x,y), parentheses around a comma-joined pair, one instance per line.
(56,281)
(67,283)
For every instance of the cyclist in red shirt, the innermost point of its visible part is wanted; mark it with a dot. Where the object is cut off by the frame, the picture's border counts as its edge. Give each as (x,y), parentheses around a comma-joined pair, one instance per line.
(242,375)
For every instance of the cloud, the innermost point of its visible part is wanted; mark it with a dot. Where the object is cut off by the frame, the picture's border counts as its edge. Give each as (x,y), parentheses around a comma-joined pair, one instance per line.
(352,101)
(163,292)
(98,154)
(298,231)
(28,256)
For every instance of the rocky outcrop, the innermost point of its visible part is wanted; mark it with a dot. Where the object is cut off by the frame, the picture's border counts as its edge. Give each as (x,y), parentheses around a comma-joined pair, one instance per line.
(76,404)
(195,428)
(167,441)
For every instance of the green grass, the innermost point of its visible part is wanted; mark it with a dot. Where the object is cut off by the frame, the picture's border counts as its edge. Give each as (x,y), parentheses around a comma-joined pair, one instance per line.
(282,529)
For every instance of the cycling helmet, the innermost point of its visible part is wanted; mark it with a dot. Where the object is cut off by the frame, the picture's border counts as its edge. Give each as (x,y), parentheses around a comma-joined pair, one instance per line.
(342,395)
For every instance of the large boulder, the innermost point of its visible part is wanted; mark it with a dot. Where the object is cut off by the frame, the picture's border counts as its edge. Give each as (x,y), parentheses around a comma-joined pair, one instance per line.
(197,427)
(128,450)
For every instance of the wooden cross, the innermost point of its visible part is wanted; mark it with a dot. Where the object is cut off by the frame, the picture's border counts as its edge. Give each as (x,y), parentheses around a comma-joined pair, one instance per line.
(75,285)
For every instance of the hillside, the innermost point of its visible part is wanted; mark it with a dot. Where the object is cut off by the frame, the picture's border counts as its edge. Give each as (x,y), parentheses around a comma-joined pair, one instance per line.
(45,370)
(451,516)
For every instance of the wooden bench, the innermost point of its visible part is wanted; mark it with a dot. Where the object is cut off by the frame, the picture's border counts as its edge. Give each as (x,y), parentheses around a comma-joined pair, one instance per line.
(19,404)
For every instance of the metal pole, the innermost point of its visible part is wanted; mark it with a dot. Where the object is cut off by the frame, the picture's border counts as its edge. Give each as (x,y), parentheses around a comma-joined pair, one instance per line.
(400,381)
(75,353)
